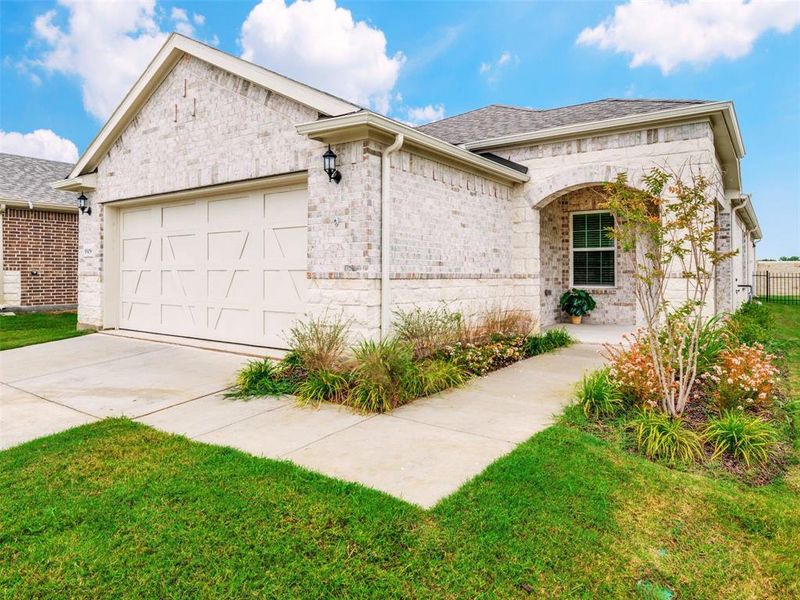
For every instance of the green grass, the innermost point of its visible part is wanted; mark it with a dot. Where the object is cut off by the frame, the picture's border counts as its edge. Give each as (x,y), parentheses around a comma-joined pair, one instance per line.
(34,328)
(115,509)
(787,330)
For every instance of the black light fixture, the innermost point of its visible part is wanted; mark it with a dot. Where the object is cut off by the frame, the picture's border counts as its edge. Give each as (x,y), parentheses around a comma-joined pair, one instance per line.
(329,164)
(83,204)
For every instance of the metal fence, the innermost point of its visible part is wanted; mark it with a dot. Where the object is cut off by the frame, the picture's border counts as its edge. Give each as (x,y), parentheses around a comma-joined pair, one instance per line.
(783,288)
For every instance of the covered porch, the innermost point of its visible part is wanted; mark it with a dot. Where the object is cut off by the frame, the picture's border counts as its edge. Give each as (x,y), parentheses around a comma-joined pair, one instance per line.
(575,251)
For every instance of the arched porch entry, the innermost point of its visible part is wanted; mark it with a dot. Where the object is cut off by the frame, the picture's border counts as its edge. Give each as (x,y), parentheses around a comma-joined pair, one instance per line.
(573,252)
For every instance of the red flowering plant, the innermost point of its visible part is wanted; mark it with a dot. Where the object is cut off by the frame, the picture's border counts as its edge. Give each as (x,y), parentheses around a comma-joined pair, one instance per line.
(744,377)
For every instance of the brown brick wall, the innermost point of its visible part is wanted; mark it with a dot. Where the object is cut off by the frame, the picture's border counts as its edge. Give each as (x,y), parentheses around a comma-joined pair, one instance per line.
(43,247)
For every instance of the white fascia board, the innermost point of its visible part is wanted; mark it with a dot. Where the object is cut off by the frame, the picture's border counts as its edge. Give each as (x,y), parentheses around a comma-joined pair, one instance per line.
(672,114)
(17,203)
(84,183)
(323,127)
(167,57)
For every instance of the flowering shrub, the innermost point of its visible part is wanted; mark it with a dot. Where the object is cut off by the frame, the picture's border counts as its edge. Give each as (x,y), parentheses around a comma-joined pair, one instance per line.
(484,358)
(743,377)
(631,367)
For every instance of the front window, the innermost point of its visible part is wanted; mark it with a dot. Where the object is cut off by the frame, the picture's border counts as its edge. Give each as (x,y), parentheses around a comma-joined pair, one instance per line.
(593,250)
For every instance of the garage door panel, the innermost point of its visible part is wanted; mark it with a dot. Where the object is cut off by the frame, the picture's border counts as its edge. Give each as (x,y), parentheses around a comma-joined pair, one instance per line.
(179,319)
(136,250)
(234,285)
(234,212)
(227,246)
(181,216)
(180,248)
(137,222)
(229,269)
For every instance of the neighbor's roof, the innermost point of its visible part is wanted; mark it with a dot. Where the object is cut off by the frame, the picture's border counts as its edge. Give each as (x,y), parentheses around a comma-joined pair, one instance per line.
(498,120)
(24,179)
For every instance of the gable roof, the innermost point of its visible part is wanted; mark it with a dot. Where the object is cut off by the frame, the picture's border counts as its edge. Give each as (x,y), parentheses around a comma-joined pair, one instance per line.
(167,57)
(24,180)
(499,120)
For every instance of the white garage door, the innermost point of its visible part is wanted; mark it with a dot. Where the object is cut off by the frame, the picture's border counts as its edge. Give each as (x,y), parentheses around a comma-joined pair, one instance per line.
(230,268)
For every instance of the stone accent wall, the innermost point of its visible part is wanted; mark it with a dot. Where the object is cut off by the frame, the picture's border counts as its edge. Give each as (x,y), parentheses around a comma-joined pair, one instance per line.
(42,248)
(358,300)
(470,297)
(616,304)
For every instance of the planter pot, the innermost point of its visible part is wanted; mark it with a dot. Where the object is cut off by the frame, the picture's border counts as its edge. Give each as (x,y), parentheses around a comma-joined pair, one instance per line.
(575,320)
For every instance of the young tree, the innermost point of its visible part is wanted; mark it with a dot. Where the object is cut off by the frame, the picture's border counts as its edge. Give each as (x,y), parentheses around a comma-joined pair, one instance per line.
(670,227)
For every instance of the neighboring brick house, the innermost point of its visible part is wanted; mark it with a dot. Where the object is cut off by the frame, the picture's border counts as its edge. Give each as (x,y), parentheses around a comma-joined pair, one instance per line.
(214,218)
(39,228)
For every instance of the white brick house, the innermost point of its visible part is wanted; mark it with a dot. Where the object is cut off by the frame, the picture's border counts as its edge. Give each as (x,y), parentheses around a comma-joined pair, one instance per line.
(213,217)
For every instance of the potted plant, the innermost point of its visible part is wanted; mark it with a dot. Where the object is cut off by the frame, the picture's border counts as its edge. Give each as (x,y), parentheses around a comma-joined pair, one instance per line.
(576,303)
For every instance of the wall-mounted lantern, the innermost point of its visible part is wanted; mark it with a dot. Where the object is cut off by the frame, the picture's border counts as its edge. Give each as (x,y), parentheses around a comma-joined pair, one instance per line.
(83,204)
(329,164)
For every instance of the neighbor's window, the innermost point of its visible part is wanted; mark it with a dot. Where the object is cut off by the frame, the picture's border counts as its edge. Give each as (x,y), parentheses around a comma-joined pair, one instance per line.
(592,249)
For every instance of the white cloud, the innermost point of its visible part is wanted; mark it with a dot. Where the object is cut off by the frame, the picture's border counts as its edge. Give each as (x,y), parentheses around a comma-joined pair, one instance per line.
(493,70)
(179,14)
(41,143)
(667,34)
(182,23)
(320,44)
(418,115)
(106,45)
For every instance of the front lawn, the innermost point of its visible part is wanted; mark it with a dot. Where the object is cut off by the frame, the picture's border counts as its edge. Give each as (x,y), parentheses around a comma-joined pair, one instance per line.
(115,509)
(787,330)
(34,328)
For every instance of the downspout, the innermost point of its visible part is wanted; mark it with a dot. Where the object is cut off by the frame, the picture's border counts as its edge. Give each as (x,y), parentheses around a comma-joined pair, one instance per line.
(386,233)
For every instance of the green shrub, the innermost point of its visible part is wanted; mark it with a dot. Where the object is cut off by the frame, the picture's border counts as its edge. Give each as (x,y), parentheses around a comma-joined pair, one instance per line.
(263,378)
(661,437)
(385,376)
(320,343)
(547,341)
(745,437)
(323,386)
(599,395)
(712,341)
(752,324)
(482,359)
(437,375)
(791,408)
(428,332)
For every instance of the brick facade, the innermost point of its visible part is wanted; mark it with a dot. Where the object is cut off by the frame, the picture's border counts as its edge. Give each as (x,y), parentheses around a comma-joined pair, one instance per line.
(457,237)
(42,246)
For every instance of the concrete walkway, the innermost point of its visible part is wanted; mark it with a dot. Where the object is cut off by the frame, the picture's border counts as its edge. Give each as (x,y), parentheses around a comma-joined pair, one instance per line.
(421,452)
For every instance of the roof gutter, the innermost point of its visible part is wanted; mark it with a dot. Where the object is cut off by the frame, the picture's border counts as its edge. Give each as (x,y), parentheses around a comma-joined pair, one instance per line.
(322,129)
(672,114)
(750,213)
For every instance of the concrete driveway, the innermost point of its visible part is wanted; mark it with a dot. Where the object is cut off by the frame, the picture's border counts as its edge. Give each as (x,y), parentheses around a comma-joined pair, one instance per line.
(421,452)
(46,388)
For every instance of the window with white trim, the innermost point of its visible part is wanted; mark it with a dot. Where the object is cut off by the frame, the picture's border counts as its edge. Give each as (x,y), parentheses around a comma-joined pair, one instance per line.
(593,250)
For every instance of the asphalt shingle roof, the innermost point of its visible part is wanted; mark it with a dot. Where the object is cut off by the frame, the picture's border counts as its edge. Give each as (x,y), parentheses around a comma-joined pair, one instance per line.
(498,120)
(27,179)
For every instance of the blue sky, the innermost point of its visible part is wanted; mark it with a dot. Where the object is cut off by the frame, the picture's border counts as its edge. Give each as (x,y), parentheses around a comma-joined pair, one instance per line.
(66,65)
